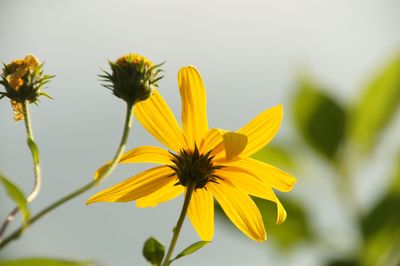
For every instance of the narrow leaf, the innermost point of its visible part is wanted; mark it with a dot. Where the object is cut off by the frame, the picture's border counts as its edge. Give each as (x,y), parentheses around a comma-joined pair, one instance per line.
(44,262)
(17,196)
(153,251)
(192,248)
(34,150)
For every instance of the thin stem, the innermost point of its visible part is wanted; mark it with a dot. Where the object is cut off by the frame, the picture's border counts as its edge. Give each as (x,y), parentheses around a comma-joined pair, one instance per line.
(127,126)
(36,168)
(179,224)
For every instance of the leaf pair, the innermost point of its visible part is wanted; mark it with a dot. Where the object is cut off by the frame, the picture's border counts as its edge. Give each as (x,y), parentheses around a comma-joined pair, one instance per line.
(154,251)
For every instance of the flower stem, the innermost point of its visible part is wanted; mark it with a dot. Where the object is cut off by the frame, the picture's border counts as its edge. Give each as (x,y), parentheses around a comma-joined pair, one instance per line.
(179,224)
(36,168)
(127,126)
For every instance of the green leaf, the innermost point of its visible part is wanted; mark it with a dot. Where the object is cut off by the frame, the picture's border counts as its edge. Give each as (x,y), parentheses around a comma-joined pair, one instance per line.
(34,150)
(276,155)
(43,262)
(380,227)
(153,251)
(319,118)
(377,106)
(17,196)
(192,248)
(386,212)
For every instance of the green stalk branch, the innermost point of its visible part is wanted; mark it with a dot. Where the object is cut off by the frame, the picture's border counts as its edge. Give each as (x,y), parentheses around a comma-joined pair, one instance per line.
(36,168)
(127,126)
(179,224)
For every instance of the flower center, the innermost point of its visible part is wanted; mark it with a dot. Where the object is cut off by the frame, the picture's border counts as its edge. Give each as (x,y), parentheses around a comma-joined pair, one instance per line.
(191,167)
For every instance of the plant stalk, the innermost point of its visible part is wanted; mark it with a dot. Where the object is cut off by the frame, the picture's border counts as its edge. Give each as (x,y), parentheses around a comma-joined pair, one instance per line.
(127,126)
(179,224)
(36,169)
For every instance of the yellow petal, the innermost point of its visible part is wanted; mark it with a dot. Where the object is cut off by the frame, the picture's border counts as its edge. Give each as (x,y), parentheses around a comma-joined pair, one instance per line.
(155,115)
(165,193)
(194,111)
(225,145)
(240,209)
(143,154)
(267,173)
(281,212)
(201,213)
(211,140)
(234,144)
(250,184)
(135,187)
(150,154)
(262,129)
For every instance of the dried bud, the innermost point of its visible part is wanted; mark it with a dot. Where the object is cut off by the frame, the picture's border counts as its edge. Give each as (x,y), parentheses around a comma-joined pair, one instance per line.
(132,78)
(24,79)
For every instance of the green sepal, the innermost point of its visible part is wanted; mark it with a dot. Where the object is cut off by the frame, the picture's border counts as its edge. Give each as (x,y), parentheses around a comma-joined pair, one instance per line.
(153,251)
(46,95)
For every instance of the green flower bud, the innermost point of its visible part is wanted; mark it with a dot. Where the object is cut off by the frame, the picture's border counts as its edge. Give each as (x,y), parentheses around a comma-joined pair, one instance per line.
(132,78)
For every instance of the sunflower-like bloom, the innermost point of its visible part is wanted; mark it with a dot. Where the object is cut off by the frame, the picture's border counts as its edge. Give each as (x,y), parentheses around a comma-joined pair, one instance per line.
(214,162)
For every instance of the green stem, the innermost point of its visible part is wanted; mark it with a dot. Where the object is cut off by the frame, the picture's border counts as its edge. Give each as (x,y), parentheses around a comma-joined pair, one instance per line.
(179,224)
(36,167)
(128,124)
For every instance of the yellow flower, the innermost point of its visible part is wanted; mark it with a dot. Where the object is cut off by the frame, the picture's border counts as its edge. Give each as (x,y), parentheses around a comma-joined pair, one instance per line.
(214,161)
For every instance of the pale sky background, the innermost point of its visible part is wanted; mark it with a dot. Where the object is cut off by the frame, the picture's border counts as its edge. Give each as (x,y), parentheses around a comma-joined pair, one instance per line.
(248,53)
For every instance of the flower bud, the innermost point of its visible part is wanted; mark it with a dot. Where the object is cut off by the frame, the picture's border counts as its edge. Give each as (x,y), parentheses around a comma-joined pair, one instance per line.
(23,79)
(132,78)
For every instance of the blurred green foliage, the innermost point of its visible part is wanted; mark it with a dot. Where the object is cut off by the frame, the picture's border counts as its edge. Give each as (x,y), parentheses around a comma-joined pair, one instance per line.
(319,119)
(294,230)
(44,262)
(343,135)
(377,105)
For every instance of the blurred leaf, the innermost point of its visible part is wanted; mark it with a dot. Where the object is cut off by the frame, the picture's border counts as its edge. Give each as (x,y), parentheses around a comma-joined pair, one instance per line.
(382,248)
(380,227)
(34,150)
(377,105)
(17,196)
(344,262)
(153,251)
(192,248)
(386,213)
(43,262)
(320,120)
(275,155)
(295,229)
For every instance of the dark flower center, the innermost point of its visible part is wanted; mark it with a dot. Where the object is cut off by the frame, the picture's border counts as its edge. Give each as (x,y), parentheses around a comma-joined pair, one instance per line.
(193,168)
